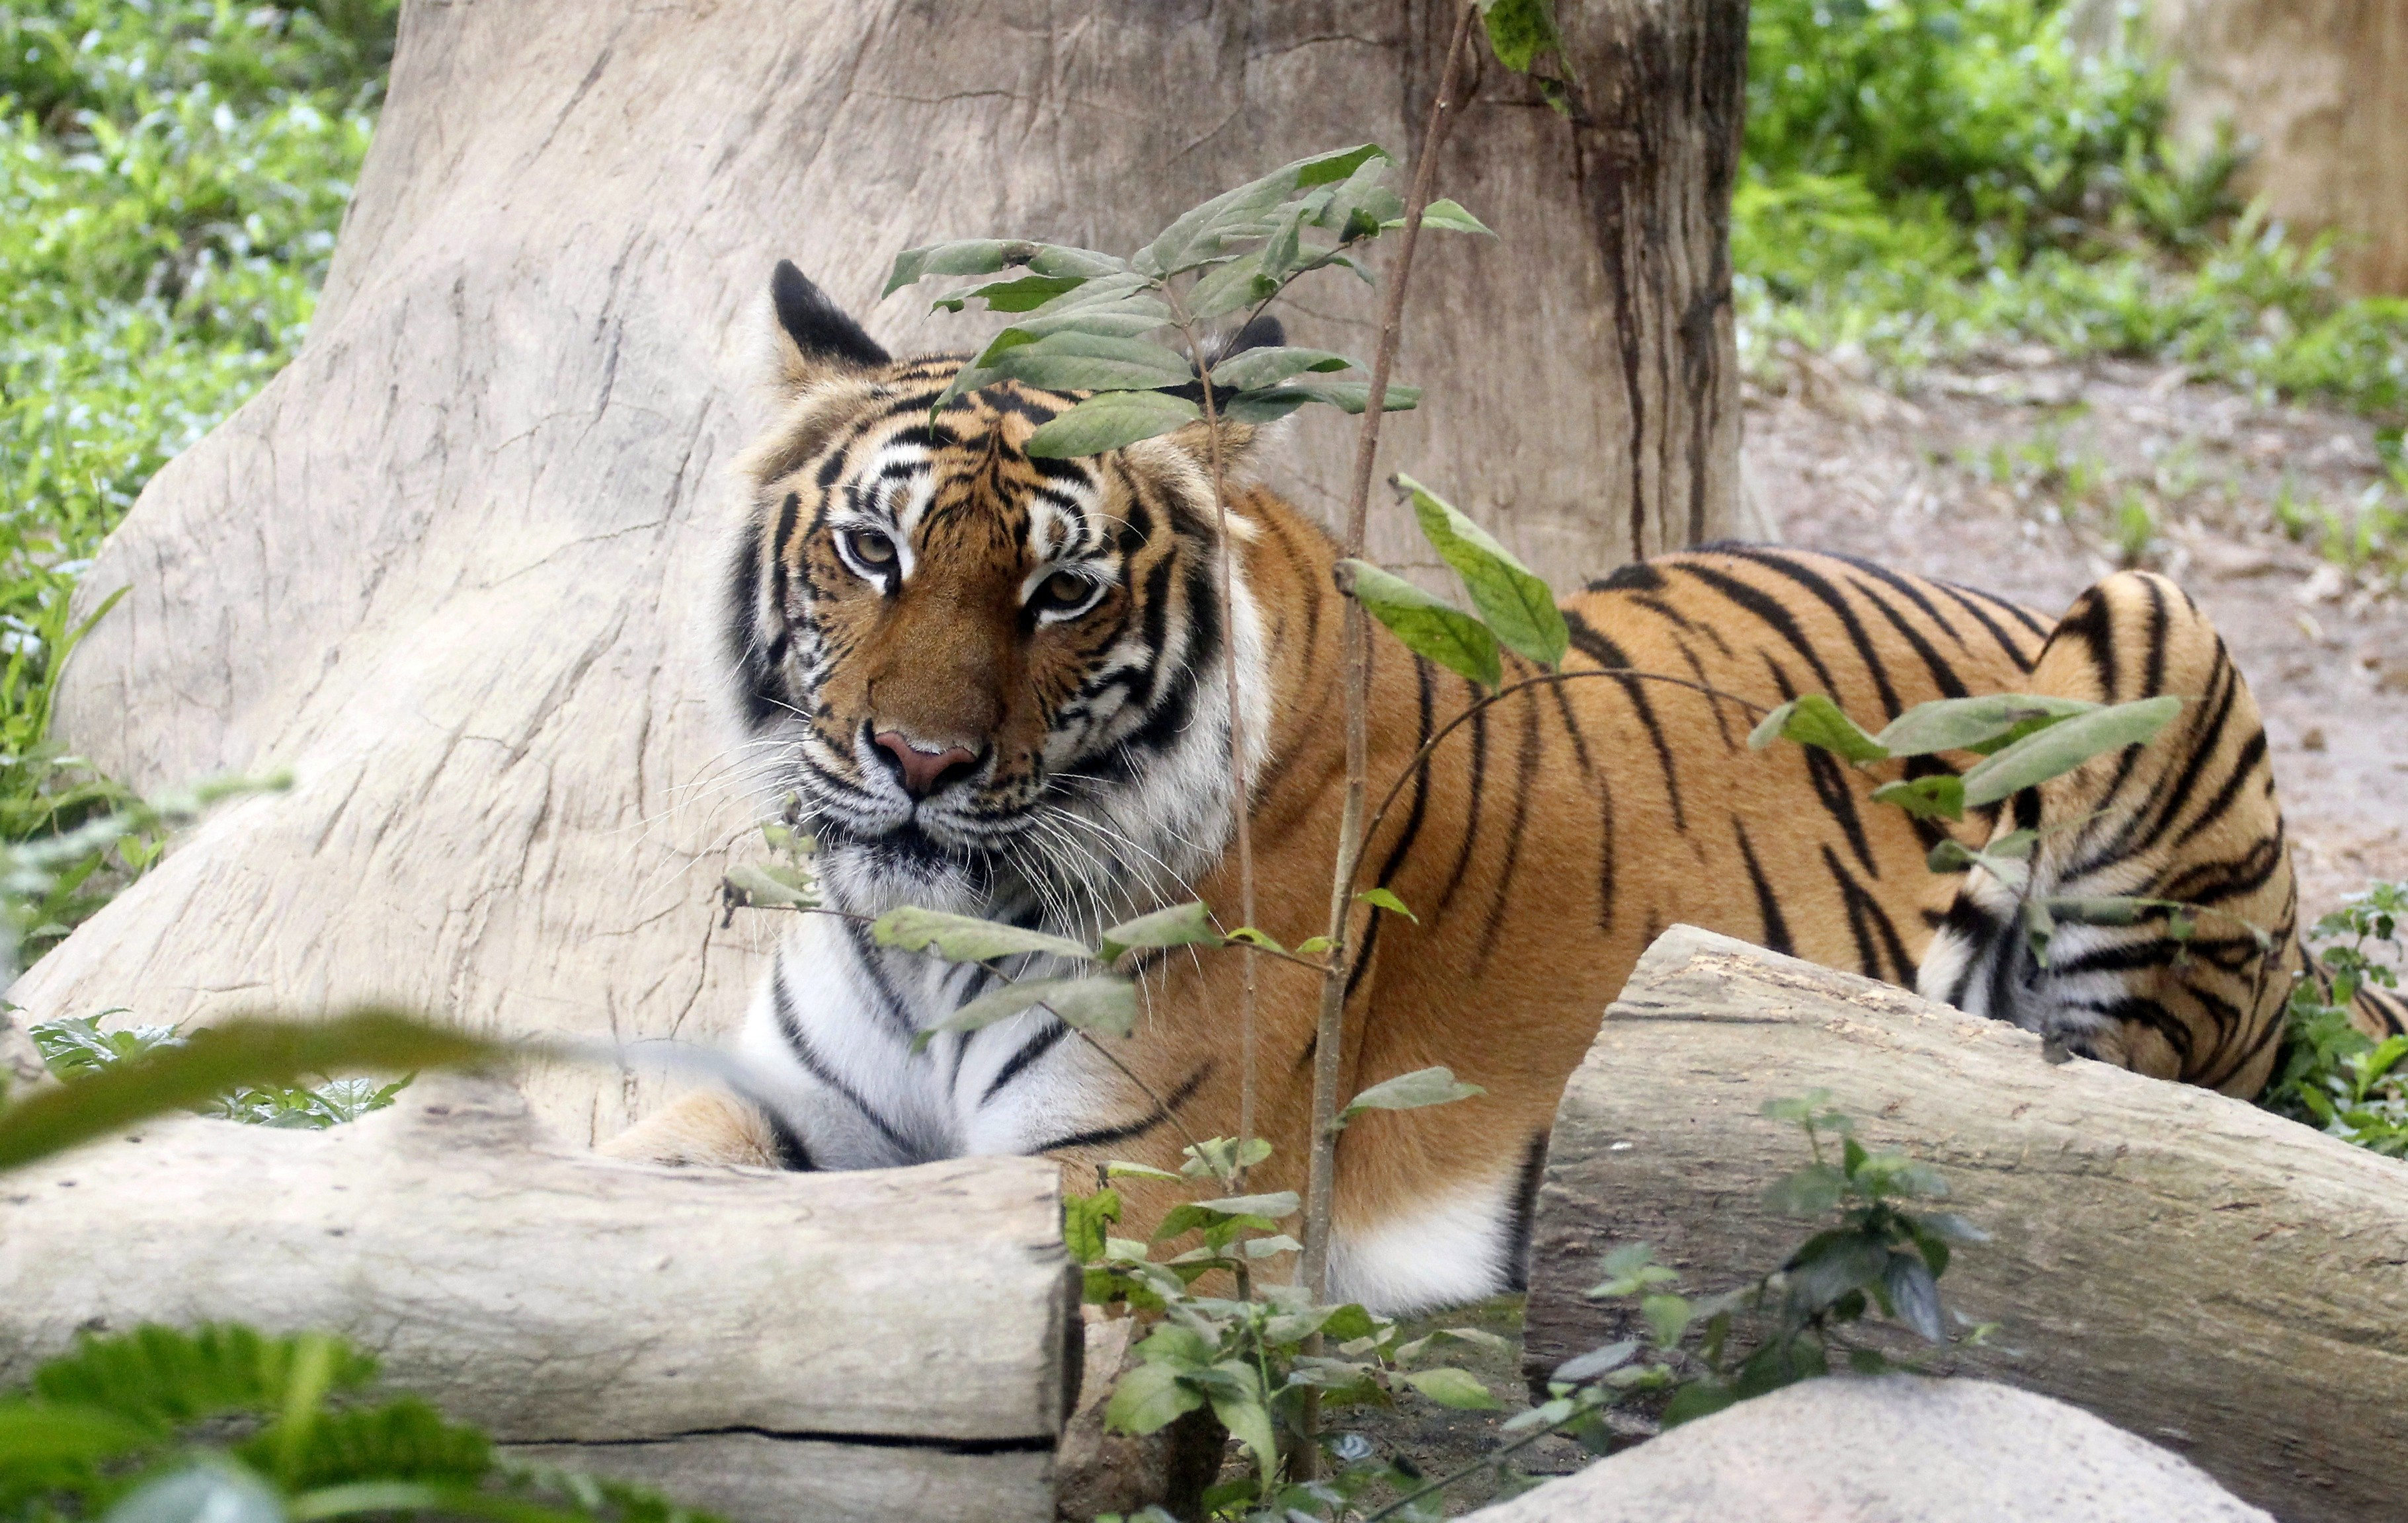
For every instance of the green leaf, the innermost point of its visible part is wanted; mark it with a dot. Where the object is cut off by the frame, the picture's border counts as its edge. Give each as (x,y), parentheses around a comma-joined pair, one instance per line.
(1117,1169)
(1085,1218)
(1239,283)
(1410,1091)
(1813,719)
(1386,900)
(1810,1191)
(1073,361)
(1354,396)
(227,1057)
(1914,1296)
(1112,421)
(1272,1208)
(1967,724)
(1447,217)
(1204,233)
(1247,1423)
(1252,368)
(1098,1003)
(1311,945)
(1698,1399)
(1025,295)
(984,256)
(1667,1318)
(40,1434)
(1940,796)
(1148,1399)
(966,938)
(1253,937)
(1428,626)
(1347,1323)
(1452,1388)
(773,886)
(1519,31)
(1180,925)
(1271,1247)
(1518,607)
(1267,406)
(1596,1361)
(2067,744)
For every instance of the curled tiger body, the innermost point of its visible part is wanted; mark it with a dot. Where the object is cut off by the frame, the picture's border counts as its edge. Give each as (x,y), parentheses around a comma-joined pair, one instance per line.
(996,685)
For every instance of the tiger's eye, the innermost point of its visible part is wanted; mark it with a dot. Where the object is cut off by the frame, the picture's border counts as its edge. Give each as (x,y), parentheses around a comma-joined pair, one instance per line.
(871,547)
(1065,590)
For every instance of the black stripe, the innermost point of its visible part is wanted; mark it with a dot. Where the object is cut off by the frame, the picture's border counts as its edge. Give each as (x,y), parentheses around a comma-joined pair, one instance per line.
(1820,588)
(1105,1136)
(1525,1212)
(1776,930)
(789,1025)
(1600,648)
(1035,1047)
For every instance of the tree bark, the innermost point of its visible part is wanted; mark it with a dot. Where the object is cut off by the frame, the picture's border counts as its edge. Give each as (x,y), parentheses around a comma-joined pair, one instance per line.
(766,1346)
(2203,1273)
(2317,89)
(458,565)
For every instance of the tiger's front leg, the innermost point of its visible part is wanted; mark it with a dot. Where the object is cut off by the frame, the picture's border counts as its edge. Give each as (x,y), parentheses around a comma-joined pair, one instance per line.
(2190,819)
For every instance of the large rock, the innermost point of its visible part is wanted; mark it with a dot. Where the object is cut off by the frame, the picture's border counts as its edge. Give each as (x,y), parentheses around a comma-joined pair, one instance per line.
(1897,1449)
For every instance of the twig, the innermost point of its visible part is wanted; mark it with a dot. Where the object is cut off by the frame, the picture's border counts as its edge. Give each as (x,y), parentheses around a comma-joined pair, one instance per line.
(1240,790)
(1421,758)
(1312,1270)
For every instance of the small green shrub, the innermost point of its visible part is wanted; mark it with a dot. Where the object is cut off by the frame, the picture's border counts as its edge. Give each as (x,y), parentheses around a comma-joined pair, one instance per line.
(2331,1075)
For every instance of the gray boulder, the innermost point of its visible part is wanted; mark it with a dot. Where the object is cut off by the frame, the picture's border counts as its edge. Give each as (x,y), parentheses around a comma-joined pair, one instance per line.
(1894,1450)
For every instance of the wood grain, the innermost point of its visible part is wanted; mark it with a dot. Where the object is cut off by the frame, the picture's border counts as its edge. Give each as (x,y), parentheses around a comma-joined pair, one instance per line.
(2197,1271)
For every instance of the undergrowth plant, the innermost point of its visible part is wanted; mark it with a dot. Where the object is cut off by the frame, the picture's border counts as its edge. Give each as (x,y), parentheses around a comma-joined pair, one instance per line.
(221,1424)
(172,173)
(1879,1247)
(2331,1075)
(1928,179)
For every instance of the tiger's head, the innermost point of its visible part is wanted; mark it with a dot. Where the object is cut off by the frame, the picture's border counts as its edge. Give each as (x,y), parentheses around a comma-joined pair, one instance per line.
(993,680)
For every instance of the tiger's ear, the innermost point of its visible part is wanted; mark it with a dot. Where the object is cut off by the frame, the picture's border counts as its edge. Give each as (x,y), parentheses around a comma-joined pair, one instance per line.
(815,340)
(1237,440)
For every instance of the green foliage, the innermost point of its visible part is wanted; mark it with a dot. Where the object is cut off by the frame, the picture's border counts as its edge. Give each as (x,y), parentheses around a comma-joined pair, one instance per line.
(1924,178)
(1089,314)
(220,1068)
(171,176)
(1886,1252)
(223,1422)
(2330,1074)
(2025,740)
(75,1047)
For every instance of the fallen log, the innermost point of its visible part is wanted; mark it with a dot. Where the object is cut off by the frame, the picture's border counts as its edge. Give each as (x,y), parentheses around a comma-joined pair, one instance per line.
(767,1345)
(2197,1271)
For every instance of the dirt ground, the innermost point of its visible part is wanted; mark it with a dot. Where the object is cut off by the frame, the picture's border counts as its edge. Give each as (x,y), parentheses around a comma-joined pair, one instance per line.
(2033,478)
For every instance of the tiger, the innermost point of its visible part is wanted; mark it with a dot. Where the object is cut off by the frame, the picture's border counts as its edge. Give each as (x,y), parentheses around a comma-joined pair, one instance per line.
(997,684)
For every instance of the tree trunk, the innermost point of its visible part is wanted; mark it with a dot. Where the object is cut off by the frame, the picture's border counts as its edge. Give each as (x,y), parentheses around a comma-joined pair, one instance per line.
(769,1346)
(458,565)
(2198,1272)
(2317,91)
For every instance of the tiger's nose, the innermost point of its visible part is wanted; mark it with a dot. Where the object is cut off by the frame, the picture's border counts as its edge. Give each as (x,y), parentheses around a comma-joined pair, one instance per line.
(924,771)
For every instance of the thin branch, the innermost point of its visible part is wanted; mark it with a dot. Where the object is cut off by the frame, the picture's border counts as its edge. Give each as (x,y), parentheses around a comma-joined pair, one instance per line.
(1169,1113)
(1240,789)
(1321,1181)
(1421,758)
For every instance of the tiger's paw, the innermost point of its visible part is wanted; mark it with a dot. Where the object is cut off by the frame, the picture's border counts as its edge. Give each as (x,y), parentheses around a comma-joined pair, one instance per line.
(705,1129)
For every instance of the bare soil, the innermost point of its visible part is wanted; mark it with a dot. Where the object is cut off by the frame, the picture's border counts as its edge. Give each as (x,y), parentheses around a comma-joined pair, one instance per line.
(2035,480)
